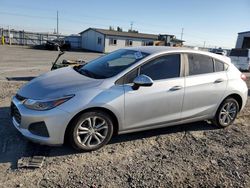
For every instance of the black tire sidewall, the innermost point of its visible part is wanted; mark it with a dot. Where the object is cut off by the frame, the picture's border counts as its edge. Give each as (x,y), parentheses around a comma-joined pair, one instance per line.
(73,130)
(217,121)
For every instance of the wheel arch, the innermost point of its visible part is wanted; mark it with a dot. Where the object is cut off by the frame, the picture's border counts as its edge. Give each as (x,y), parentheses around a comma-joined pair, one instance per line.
(109,112)
(237,97)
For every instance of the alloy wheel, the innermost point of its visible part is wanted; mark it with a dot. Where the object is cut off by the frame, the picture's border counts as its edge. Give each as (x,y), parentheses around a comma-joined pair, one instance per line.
(228,113)
(92,131)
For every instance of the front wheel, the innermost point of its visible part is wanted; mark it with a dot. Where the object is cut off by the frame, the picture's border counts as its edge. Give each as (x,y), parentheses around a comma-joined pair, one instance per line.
(91,130)
(226,113)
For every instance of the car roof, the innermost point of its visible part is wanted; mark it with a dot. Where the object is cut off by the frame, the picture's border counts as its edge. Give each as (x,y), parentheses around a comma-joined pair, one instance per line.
(154,50)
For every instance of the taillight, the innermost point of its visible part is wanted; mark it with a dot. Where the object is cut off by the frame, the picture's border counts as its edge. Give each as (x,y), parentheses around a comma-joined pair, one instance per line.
(243,77)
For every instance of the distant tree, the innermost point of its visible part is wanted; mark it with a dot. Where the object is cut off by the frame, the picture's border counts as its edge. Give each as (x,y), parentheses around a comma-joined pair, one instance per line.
(111,28)
(133,31)
(119,29)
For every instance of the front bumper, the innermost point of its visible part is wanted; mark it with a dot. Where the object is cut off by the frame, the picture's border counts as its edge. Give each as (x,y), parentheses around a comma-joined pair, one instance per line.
(55,120)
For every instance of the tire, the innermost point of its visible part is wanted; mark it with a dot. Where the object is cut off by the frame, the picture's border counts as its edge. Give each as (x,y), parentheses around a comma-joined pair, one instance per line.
(226,113)
(91,131)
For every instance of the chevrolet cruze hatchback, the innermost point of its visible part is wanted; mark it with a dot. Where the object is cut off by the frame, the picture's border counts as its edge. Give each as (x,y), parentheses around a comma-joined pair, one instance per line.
(131,89)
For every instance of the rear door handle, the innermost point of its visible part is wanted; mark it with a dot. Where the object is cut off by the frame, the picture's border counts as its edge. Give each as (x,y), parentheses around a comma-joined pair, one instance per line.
(175,88)
(218,81)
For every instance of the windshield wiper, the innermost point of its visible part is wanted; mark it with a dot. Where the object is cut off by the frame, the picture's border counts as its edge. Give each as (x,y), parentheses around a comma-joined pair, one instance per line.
(88,73)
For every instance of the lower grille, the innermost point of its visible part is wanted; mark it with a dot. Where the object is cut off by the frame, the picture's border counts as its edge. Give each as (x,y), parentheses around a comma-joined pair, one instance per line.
(15,113)
(39,128)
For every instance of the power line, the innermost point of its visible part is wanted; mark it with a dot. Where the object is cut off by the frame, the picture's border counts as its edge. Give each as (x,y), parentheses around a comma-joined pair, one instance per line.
(204,44)
(57,31)
(116,20)
(25,15)
(104,25)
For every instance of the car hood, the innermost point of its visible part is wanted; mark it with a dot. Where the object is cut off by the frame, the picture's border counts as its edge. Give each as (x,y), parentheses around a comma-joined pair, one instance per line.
(57,83)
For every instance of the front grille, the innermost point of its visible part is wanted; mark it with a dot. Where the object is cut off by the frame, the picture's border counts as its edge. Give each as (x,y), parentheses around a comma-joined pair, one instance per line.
(15,113)
(20,98)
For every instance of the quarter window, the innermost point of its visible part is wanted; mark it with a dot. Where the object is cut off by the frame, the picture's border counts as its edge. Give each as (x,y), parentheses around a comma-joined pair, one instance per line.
(218,66)
(163,67)
(200,64)
(129,78)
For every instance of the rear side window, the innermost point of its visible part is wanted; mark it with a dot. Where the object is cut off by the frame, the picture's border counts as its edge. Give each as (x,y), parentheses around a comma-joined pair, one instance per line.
(200,64)
(163,67)
(239,52)
(218,66)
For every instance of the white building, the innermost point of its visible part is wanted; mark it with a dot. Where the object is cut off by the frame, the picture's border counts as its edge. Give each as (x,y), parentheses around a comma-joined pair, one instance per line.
(102,40)
(243,40)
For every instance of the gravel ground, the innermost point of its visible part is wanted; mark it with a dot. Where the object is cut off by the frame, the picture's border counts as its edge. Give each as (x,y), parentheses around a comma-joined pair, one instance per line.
(193,155)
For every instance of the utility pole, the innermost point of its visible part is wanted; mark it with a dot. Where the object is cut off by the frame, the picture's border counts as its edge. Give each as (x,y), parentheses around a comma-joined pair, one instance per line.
(57,20)
(9,35)
(131,26)
(182,32)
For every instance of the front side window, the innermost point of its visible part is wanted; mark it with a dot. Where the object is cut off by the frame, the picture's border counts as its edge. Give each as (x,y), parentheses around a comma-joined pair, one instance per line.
(200,64)
(129,78)
(112,64)
(163,67)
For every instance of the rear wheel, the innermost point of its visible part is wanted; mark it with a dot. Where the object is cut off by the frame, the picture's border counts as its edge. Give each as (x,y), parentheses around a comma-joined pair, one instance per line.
(226,113)
(91,130)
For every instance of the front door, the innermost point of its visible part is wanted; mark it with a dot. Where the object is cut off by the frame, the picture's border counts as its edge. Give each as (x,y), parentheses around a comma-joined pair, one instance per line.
(160,103)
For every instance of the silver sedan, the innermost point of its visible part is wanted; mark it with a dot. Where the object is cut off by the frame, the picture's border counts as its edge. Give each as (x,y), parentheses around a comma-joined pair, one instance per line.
(131,89)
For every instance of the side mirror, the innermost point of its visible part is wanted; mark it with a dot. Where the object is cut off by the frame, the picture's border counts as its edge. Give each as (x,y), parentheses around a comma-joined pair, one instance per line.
(142,80)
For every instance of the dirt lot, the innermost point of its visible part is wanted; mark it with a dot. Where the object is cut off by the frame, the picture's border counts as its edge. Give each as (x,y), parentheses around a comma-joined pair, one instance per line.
(194,155)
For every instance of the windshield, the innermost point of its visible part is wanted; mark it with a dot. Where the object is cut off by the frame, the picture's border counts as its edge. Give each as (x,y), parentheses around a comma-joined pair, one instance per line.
(111,64)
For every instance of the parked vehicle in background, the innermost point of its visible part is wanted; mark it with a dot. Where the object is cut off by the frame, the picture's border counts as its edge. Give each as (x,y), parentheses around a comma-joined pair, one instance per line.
(52,45)
(241,58)
(129,90)
(219,51)
(65,62)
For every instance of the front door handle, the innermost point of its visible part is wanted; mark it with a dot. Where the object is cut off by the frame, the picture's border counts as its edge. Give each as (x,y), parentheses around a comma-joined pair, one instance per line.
(175,88)
(218,81)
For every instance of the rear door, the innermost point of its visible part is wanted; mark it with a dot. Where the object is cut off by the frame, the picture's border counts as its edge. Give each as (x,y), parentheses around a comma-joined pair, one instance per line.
(205,84)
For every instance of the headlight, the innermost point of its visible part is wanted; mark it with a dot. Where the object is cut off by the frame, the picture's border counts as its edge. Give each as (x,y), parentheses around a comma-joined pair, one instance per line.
(45,104)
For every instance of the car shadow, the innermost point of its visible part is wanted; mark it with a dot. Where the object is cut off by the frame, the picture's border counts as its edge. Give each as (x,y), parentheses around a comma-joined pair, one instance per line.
(26,78)
(13,146)
(197,126)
